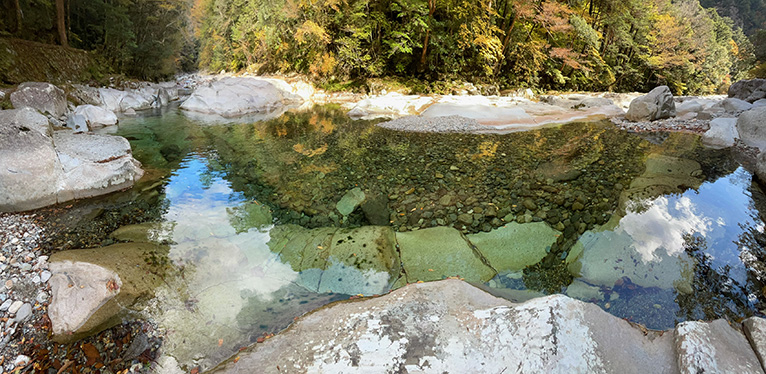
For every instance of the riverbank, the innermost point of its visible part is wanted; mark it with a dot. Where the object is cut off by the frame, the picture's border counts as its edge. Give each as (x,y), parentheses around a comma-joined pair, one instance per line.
(113,344)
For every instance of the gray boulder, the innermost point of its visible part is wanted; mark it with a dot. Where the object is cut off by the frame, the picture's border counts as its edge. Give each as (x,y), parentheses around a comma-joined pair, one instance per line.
(748,90)
(41,96)
(451,326)
(751,126)
(30,171)
(722,133)
(657,104)
(736,106)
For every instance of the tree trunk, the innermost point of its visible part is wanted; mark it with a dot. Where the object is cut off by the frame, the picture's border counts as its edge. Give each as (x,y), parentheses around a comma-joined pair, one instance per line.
(424,55)
(61,22)
(18,15)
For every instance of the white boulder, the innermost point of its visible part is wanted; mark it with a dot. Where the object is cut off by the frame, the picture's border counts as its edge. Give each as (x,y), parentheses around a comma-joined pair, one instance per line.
(722,133)
(96,116)
(389,105)
(451,326)
(237,96)
(657,104)
(751,126)
(41,96)
(77,123)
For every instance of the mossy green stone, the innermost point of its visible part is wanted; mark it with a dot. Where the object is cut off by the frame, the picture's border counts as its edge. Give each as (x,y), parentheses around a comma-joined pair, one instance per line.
(514,246)
(440,252)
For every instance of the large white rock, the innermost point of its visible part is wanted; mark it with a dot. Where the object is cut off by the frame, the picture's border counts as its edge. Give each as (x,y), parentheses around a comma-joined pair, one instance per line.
(751,126)
(94,164)
(96,116)
(29,167)
(657,104)
(77,123)
(722,133)
(451,326)
(236,96)
(40,168)
(714,347)
(40,96)
(93,289)
(120,101)
(390,105)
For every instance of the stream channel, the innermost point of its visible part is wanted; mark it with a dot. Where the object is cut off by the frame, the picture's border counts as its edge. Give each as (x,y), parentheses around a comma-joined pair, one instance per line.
(262,222)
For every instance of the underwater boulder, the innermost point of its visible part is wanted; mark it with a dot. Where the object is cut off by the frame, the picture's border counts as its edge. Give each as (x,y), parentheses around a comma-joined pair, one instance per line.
(350,261)
(440,252)
(514,246)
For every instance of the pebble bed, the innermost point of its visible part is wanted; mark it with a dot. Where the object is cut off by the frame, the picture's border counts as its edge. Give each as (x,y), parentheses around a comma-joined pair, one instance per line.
(25,344)
(24,292)
(448,124)
(670,124)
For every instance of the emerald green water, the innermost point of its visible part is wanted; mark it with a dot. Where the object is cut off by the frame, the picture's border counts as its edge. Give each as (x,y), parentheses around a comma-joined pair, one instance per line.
(656,230)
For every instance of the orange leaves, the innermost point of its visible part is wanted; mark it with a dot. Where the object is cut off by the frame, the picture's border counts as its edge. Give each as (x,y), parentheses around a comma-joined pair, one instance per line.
(91,352)
(310,152)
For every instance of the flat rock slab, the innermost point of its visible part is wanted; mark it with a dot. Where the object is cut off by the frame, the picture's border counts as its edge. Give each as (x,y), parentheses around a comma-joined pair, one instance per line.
(440,252)
(451,326)
(714,347)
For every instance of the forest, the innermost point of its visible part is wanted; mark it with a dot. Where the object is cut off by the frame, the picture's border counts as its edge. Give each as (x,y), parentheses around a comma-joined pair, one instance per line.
(587,45)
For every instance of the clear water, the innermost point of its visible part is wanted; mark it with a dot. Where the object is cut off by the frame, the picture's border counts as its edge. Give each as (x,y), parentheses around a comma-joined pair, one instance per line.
(656,230)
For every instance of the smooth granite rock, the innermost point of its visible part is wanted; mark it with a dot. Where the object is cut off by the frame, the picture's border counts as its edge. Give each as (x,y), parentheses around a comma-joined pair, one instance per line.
(514,246)
(657,104)
(41,96)
(713,347)
(722,133)
(450,326)
(751,126)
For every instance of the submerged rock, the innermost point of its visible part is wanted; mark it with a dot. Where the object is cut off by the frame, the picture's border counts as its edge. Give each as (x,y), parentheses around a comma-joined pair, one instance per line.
(657,104)
(93,289)
(350,201)
(514,246)
(451,326)
(41,96)
(440,252)
(348,261)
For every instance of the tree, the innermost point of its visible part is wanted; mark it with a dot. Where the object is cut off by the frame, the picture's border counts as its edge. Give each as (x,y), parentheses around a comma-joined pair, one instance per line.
(60,22)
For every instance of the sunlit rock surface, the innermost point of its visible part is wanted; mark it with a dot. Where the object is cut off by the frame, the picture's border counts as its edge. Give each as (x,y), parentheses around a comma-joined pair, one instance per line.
(237,96)
(450,326)
(41,167)
(93,289)
(41,96)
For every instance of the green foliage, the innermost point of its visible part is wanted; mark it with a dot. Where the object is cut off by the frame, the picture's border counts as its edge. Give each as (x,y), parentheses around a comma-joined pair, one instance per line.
(548,44)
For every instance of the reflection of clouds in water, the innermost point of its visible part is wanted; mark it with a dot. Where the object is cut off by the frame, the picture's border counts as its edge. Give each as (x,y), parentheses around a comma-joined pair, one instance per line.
(663,225)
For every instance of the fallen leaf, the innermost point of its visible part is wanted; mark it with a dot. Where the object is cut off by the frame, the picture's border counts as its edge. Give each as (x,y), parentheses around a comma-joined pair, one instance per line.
(91,352)
(220,342)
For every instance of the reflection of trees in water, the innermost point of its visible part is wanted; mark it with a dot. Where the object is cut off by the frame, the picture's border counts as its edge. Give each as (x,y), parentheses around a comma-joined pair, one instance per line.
(716,292)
